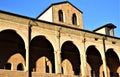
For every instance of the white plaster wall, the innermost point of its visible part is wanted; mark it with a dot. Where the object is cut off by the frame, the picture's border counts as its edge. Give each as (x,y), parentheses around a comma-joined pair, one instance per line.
(102,31)
(47,16)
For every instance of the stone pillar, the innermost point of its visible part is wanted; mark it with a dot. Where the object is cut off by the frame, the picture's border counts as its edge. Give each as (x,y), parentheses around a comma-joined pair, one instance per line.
(27,42)
(104,67)
(57,53)
(27,60)
(57,62)
(84,68)
(83,60)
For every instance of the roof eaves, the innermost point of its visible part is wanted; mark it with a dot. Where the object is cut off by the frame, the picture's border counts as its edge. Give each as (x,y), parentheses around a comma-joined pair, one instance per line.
(18,15)
(110,25)
(66,2)
(56,24)
(63,25)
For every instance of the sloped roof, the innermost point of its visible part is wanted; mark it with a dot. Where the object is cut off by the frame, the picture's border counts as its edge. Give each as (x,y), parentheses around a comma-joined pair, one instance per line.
(109,25)
(58,4)
(33,19)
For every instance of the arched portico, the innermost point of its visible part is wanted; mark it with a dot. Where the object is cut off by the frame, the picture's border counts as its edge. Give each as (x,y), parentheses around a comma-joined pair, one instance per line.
(113,63)
(41,55)
(94,60)
(11,43)
(70,52)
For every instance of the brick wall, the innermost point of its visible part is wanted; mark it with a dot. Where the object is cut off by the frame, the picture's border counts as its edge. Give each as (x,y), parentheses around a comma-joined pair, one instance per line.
(9,73)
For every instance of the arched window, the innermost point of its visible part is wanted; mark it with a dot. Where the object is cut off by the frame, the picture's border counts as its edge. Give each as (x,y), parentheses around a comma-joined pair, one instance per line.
(74,19)
(60,14)
(8,66)
(20,67)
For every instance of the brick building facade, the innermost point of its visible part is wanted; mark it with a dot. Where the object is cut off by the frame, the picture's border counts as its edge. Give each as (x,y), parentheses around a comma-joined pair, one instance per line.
(55,44)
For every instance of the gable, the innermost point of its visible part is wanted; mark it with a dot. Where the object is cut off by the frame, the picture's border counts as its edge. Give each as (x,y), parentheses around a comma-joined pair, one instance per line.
(59,3)
(51,14)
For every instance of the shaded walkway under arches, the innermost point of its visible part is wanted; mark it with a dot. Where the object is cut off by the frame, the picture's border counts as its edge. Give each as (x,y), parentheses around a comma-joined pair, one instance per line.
(94,60)
(113,62)
(10,44)
(70,52)
(41,51)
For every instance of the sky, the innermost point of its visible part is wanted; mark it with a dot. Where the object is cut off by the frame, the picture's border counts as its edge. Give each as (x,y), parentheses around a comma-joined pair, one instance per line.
(96,13)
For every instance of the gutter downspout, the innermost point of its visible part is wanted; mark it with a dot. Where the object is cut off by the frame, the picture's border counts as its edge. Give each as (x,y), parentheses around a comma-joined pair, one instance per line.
(29,39)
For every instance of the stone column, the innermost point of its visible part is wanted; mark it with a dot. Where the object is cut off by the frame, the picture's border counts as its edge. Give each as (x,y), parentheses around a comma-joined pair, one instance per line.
(82,67)
(57,54)
(83,60)
(27,40)
(57,62)
(27,59)
(104,67)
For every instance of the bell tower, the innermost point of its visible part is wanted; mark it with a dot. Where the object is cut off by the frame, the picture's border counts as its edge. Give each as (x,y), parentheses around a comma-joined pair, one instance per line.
(63,13)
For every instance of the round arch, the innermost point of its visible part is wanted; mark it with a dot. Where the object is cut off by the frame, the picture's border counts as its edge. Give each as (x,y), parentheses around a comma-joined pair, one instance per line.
(94,60)
(41,47)
(113,62)
(74,42)
(22,34)
(70,52)
(74,19)
(98,48)
(20,67)
(115,50)
(10,43)
(60,16)
(15,60)
(49,38)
